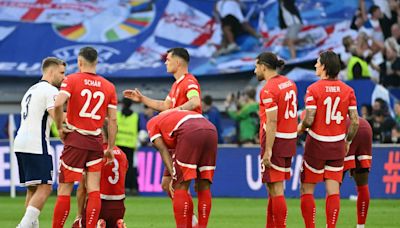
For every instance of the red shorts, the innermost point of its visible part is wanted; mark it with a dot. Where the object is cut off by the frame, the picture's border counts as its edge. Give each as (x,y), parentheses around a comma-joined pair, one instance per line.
(279,170)
(195,153)
(74,161)
(316,170)
(111,211)
(281,160)
(360,153)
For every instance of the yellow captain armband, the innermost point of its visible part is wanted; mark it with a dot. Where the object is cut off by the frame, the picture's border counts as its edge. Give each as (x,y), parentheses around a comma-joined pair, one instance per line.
(192,93)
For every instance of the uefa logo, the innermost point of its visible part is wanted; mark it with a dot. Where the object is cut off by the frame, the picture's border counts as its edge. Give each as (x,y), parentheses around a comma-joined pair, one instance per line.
(115,22)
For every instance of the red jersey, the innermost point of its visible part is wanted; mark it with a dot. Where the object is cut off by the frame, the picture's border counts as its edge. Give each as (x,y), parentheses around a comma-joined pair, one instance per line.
(164,125)
(280,93)
(332,99)
(112,182)
(89,97)
(180,88)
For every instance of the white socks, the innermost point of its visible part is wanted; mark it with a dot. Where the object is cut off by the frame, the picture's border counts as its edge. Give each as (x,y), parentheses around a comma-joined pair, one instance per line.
(30,218)
(360,226)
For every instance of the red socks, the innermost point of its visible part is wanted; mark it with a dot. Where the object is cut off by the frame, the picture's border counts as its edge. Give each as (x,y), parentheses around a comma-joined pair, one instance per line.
(362,204)
(61,211)
(183,209)
(279,211)
(308,210)
(204,207)
(332,210)
(270,220)
(93,209)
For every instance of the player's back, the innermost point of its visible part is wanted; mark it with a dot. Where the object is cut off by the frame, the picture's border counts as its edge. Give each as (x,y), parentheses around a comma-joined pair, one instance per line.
(280,93)
(112,183)
(90,96)
(332,99)
(35,120)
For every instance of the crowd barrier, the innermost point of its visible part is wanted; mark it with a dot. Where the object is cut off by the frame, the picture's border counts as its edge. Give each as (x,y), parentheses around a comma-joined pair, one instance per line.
(238,172)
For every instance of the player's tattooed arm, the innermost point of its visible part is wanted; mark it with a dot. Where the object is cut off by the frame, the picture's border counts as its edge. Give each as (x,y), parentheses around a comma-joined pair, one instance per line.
(353,128)
(191,104)
(308,120)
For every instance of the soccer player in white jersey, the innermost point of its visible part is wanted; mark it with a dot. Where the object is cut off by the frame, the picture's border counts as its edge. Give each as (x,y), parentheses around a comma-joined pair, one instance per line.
(32,141)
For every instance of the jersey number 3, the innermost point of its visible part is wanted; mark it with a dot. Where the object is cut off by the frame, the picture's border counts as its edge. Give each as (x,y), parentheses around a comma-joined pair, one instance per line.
(84,111)
(115,171)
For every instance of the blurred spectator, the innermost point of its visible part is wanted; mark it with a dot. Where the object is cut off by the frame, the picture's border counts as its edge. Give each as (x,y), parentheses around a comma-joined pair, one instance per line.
(233,23)
(126,140)
(392,44)
(382,127)
(246,115)
(390,69)
(144,117)
(396,134)
(380,104)
(357,67)
(366,112)
(397,112)
(345,56)
(289,18)
(378,25)
(212,114)
(360,17)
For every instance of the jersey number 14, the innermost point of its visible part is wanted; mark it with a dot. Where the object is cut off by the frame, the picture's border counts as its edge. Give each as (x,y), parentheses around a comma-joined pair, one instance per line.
(331,111)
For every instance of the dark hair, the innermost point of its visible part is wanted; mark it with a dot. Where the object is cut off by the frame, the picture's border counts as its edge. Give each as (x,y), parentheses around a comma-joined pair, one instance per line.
(368,107)
(331,63)
(250,93)
(181,53)
(270,60)
(372,9)
(51,61)
(89,54)
(207,100)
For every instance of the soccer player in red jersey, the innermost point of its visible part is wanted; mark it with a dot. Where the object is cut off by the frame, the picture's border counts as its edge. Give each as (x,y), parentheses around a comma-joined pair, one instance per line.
(185,93)
(328,102)
(278,133)
(112,190)
(195,141)
(358,161)
(90,99)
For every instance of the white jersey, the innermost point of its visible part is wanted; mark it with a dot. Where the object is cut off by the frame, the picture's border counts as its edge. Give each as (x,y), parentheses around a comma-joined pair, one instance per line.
(33,134)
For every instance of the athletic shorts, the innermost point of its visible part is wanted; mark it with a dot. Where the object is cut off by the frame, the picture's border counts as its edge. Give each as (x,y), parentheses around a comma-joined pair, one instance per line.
(111,211)
(279,170)
(317,170)
(195,152)
(35,169)
(281,160)
(74,161)
(360,153)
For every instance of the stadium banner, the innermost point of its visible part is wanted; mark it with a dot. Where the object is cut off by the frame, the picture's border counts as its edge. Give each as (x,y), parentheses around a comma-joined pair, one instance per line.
(133,36)
(238,173)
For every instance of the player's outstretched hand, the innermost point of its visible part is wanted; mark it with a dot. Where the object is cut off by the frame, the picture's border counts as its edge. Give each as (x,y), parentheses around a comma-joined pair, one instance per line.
(63,132)
(109,156)
(266,160)
(133,94)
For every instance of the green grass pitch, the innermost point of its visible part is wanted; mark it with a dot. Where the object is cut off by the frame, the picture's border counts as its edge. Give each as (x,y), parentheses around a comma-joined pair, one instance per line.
(157,212)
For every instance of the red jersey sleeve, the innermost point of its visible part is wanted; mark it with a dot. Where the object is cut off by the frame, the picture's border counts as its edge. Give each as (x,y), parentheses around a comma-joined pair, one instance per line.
(352,101)
(310,99)
(268,99)
(113,98)
(66,86)
(153,129)
(190,85)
